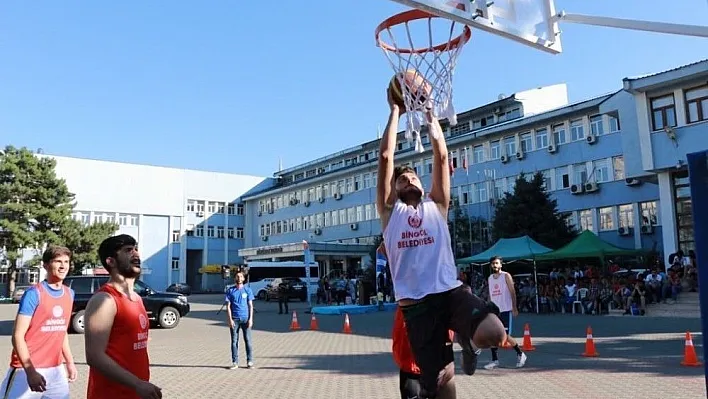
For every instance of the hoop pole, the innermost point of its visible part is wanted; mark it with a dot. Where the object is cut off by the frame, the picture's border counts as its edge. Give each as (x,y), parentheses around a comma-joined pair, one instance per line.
(633,24)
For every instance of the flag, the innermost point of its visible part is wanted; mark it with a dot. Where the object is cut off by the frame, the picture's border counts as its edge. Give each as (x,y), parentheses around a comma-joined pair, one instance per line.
(452,168)
(464,162)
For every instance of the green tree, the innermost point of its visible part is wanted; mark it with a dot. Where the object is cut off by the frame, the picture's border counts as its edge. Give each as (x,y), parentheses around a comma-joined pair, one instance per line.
(83,241)
(529,210)
(35,204)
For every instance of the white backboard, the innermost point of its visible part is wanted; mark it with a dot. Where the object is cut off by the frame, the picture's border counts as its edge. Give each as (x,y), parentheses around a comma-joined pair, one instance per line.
(530,22)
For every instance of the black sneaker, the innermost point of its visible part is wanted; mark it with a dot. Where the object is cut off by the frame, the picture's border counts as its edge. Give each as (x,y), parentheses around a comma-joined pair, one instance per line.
(469,358)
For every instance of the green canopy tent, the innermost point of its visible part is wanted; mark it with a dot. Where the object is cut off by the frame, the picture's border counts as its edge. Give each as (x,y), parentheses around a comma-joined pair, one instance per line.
(510,249)
(588,245)
(520,248)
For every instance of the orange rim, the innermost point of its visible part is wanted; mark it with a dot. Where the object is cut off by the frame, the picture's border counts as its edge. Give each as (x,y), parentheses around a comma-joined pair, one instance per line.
(414,15)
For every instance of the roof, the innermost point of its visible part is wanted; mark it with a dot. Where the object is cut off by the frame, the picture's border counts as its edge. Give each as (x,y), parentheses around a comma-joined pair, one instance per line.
(520,248)
(650,81)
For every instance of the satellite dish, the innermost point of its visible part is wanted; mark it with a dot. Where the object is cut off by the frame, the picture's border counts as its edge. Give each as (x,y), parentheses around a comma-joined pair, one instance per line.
(40,151)
(501,96)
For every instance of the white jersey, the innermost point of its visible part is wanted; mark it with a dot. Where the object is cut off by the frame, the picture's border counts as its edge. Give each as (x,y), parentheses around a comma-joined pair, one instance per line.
(419,253)
(499,292)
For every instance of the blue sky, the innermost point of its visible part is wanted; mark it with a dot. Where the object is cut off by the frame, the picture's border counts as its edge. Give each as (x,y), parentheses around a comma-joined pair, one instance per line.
(232,86)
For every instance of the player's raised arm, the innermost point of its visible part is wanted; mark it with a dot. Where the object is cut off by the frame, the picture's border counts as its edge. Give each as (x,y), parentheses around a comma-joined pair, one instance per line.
(440,188)
(385,186)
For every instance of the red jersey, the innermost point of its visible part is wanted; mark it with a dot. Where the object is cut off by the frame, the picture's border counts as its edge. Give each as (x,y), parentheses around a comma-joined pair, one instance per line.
(127,346)
(47,329)
(402,353)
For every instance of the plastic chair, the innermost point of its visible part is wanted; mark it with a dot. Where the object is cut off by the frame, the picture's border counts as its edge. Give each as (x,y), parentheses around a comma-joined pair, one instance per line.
(582,293)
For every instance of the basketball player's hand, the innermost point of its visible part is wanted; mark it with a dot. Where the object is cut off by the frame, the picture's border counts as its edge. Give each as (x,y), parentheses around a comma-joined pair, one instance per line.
(71,372)
(36,381)
(515,312)
(391,101)
(147,390)
(231,323)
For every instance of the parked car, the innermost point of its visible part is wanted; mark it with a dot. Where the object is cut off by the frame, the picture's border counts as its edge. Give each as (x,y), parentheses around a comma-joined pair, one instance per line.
(296,288)
(19,291)
(163,308)
(179,288)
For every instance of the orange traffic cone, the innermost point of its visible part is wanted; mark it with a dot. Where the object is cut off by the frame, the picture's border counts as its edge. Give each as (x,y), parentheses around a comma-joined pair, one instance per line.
(294,325)
(313,323)
(527,346)
(347,326)
(590,344)
(689,353)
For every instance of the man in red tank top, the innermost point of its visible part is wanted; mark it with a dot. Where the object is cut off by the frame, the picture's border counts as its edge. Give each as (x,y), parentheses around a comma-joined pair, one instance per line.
(116,327)
(409,375)
(40,344)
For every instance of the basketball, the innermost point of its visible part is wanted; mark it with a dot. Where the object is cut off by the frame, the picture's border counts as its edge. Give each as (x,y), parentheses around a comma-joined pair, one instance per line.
(418,87)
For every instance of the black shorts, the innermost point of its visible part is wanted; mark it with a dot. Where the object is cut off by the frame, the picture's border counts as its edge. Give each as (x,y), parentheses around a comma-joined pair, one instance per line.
(506,319)
(428,323)
(409,383)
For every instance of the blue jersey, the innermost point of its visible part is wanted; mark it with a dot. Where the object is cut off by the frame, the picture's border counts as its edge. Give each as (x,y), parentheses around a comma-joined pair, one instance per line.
(239,299)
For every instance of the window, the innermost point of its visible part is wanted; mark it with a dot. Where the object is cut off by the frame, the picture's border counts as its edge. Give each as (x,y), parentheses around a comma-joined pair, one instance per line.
(607,221)
(190,206)
(510,146)
(580,173)
(562,178)
(360,213)
(626,215)
(478,154)
(541,139)
(367,180)
(335,218)
(343,216)
(586,219)
(220,232)
(210,231)
(175,263)
(494,150)
(368,214)
(526,142)
(511,183)
(547,182)
(614,123)
(570,219)
(86,219)
(351,215)
(190,230)
(577,130)
(199,231)
(133,220)
(231,209)
(327,219)
(697,104)
(239,209)
(559,136)
(498,188)
(602,170)
(220,207)
(230,232)
(82,285)
(211,207)
(482,192)
(596,126)
(649,213)
(663,112)
(349,185)
(319,220)
(175,235)
(464,194)
(200,206)
(357,183)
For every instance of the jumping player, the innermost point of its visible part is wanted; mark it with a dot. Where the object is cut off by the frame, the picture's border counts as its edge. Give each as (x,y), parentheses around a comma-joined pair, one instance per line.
(502,293)
(409,375)
(39,341)
(117,328)
(423,270)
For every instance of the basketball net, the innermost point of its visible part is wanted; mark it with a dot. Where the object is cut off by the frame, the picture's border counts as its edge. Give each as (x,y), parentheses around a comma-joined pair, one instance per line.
(435,63)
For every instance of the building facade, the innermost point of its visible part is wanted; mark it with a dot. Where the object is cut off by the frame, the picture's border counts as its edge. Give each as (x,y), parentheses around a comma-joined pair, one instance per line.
(187,223)
(669,114)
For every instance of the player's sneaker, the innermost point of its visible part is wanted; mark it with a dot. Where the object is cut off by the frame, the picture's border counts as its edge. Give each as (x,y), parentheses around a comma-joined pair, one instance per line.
(520,360)
(233,366)
(491,365)
(469,358)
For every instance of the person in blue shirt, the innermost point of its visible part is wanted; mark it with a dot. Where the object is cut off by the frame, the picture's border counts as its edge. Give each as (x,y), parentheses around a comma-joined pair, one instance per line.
(239,311)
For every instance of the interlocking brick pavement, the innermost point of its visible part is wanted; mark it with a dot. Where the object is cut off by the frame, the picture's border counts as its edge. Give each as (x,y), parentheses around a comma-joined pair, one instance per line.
(639,358)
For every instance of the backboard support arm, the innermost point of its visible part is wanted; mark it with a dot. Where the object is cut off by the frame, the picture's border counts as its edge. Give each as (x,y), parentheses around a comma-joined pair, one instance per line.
(631,24)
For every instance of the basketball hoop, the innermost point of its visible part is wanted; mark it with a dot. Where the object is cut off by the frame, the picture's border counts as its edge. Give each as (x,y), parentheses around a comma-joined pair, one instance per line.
(434,62)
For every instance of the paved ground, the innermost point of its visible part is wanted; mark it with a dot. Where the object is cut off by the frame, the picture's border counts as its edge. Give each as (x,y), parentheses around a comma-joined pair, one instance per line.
(639,358)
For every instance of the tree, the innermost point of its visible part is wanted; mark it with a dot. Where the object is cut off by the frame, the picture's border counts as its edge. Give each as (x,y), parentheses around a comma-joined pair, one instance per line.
(529,210)
(34,203)
(83,241)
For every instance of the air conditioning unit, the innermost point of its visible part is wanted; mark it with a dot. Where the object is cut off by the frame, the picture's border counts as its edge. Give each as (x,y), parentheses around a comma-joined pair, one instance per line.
(552,148)
(647,229)
(337,196)
(317,231)
(322,200)
(200,214)
(293,201)
(624,231)
(306,203)
(591,187)
(497,110)
(504,158)
(632,182)
(520,155)
(259,213)
(354,226)
(264,238)
(576,189)
(591,139)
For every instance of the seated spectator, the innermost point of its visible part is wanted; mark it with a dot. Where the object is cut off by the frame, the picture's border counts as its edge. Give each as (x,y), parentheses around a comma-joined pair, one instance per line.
(605,297)
(593,297)
(638,297)
(653,285)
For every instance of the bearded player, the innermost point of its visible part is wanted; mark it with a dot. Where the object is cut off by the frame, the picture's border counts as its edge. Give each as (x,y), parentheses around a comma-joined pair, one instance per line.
(40,344)
(417,240)
(117,328)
